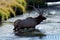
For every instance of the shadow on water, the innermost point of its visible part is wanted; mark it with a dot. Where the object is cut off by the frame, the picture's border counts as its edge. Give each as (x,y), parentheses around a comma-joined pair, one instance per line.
(35,33)
(30,35)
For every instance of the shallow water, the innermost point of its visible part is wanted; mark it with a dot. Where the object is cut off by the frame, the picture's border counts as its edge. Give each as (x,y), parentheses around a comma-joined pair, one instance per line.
(50,26)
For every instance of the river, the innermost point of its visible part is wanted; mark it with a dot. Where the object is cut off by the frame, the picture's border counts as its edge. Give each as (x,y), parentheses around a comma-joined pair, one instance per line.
(50,26)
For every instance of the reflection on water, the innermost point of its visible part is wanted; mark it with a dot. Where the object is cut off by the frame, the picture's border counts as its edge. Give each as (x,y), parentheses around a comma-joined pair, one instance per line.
(50,26)
(52,37)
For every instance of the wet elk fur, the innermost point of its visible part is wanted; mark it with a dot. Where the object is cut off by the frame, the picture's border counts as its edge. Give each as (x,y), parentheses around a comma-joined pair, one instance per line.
(28,22)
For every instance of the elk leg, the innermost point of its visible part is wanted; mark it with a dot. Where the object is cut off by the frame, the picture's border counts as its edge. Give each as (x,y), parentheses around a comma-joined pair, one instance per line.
(15,28)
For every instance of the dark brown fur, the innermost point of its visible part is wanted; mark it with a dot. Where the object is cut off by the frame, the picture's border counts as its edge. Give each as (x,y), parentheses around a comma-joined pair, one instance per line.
(28,22)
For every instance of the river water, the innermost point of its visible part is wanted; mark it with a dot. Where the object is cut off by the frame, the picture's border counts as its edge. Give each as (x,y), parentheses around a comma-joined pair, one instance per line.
(50,26)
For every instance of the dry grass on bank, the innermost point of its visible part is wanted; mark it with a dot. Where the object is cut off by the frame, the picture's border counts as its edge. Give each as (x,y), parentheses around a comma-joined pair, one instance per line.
(6,7)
